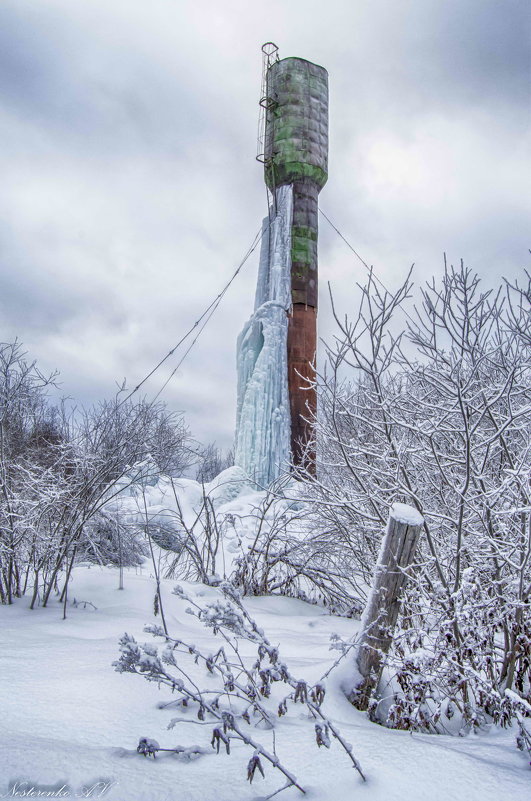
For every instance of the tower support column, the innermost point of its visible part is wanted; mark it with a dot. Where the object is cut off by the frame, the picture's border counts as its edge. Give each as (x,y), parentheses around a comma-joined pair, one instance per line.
(302,346)
(302,329)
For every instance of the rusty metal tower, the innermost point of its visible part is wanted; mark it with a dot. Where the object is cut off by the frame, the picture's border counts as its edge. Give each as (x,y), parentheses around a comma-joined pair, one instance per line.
(295,152)
(277,347)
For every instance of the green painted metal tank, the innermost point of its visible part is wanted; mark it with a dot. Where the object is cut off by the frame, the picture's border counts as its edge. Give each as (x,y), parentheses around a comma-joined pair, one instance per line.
(296,136)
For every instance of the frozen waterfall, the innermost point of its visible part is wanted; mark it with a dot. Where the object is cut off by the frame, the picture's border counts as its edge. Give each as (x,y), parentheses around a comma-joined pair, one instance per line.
(262,445)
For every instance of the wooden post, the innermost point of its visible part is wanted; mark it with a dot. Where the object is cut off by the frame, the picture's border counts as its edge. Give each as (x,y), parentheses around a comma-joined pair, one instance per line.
(383,605)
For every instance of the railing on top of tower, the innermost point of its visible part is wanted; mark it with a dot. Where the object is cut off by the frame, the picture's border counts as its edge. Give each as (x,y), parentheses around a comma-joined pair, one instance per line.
(266,104)
(269,56)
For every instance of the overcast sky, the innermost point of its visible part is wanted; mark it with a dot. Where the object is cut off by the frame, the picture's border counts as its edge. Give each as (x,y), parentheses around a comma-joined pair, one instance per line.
(129,189)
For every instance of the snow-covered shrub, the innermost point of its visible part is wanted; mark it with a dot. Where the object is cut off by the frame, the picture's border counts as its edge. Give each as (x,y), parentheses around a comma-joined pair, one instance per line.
(183,517)
(59,470)
(246,696)
(107,541)
(30,440)
(437,416)
(263,541)
(199,551)
(286,555)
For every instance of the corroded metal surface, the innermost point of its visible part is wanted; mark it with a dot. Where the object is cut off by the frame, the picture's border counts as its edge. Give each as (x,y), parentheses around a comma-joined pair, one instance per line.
(304,243)
(302,343)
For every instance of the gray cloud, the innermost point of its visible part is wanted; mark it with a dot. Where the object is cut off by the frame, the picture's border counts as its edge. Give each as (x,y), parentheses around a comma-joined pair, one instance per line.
(130,192)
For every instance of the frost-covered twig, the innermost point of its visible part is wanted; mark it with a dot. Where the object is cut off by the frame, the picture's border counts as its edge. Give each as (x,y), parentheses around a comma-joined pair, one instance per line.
(243,690)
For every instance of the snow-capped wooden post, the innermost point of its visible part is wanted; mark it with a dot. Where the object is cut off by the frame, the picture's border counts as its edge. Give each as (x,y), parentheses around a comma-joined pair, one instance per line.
(383,605)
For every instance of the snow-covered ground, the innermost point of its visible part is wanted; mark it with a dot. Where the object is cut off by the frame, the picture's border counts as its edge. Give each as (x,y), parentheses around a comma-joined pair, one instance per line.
(68,718)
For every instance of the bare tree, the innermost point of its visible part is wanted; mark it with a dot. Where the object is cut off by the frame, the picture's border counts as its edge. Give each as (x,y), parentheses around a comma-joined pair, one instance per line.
(22,414)
(437,416)
(212,462)
(58,470)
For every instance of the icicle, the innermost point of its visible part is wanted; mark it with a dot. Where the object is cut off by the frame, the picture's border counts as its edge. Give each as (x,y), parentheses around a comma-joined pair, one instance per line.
(262,446)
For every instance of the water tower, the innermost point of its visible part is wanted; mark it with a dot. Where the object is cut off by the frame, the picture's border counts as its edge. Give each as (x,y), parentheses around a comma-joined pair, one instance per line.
(276,351)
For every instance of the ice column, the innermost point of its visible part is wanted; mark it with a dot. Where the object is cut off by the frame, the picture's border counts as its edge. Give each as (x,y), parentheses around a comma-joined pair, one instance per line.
(262,445)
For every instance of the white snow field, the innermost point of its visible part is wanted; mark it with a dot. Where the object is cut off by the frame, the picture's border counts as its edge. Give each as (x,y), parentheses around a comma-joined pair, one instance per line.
(68,718)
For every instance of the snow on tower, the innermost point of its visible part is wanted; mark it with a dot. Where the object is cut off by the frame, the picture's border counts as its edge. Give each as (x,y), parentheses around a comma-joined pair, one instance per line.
(277,347)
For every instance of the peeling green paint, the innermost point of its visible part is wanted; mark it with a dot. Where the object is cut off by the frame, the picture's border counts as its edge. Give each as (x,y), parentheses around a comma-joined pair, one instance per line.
(304,232)
(288,171)
(303,247)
